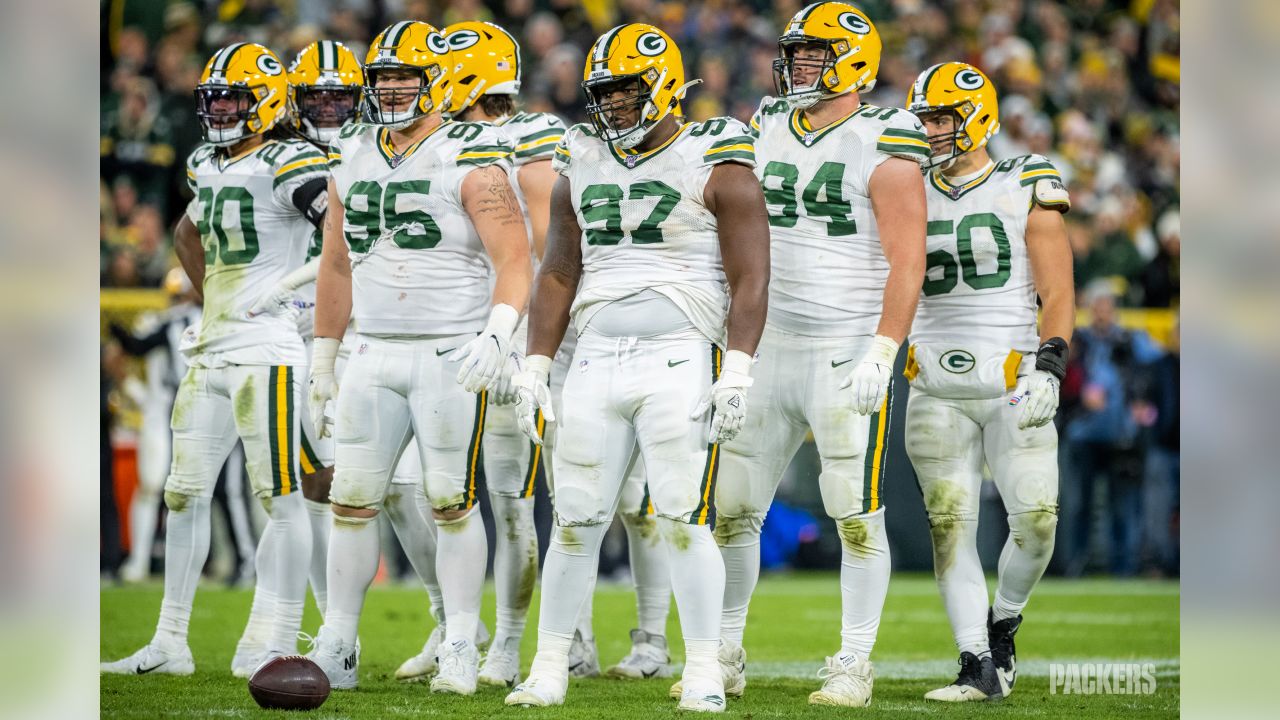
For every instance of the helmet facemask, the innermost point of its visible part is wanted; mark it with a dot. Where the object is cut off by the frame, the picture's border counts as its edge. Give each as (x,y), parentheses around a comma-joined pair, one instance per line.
(379,103)
(323,109)
(785,65)
(638,98)
(957,141)
(227,112)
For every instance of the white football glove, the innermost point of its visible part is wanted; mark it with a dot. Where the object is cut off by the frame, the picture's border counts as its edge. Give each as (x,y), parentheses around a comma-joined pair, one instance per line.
(322,387)
(1038,393)
(533,393)
(278,302)
(503,392)
(727,398)
(483,358)
(869,381)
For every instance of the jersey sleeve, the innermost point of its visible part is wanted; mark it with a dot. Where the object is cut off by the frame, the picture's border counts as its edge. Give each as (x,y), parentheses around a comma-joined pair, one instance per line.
(902,136)
(299,164)
(733,143)
(483,148)
(562,156)
(1047,188)
(537,138)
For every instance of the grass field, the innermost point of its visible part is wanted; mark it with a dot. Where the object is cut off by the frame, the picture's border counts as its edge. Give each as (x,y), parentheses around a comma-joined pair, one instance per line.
(794,622)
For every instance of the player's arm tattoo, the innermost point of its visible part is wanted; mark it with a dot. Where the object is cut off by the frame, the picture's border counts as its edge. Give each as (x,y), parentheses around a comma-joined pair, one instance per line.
(499,200)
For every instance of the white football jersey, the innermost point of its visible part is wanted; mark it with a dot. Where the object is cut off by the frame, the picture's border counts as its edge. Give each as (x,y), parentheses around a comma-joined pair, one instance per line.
(978,281)
(645,224)
(828,269)
(253,236)
(977,314)
(417,264)
(534,137)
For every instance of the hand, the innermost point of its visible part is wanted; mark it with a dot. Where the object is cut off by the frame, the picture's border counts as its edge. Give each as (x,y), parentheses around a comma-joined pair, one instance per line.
(322,387)
(503,392)
(278,302)
(533,393)
(1037,398)
(728,397)
(869,380)
(483,358)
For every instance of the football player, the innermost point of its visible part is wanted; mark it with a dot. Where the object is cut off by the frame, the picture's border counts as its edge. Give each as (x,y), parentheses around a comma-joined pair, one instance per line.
(655,224)
(421,209)
(847,222)
(253,215)
(984,377)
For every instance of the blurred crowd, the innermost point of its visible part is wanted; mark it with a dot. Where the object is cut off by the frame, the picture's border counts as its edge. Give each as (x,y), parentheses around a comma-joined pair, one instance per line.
(1091,84)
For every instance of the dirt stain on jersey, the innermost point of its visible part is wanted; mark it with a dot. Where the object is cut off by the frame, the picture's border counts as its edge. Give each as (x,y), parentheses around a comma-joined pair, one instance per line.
(945,502)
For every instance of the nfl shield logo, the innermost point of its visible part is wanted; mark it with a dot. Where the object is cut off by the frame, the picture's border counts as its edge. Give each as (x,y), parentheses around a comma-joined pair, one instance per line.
(955,193)
(631,161)
(395,161)
(808,138)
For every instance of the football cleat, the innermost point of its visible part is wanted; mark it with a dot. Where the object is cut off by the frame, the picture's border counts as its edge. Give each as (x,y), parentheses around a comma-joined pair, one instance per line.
(423,665)
(847,682)
(648,658)
(1000,636)
(248,657)
(977,681)
(733,672)
(153,659)
(339,660)
(701,695)
(584,659)
(501,667)
(459,661)
(539,690)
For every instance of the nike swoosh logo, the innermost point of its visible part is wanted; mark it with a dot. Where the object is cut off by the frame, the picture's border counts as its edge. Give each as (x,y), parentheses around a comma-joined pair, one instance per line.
(144,671)
(1007,678)
(835,364)
(673,363)
(446,351)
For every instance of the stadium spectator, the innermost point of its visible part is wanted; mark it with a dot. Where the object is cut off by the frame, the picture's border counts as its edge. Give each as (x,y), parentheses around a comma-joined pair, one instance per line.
(1161,408)
(137,143)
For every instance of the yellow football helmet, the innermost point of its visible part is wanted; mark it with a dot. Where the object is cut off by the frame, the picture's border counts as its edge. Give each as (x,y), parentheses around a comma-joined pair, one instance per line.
(641,59)
(961,89)
(324,89)
(486,61)
(407,46)
(243,91)
(852,54)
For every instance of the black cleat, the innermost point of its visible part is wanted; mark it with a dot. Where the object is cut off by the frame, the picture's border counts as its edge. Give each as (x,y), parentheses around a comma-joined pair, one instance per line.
(1000,636)
(978,680)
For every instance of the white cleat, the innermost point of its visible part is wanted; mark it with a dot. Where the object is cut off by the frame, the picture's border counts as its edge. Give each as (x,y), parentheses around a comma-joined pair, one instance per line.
(424,664)
(701,695)
(846,682)
(340,661)
(539,691)
(457,674)
(648,658)
(153,659)
(501,667)
(733,672)
(584,659)
(248,658)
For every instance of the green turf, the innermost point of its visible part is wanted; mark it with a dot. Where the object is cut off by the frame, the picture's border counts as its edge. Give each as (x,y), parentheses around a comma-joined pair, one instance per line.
(794,622)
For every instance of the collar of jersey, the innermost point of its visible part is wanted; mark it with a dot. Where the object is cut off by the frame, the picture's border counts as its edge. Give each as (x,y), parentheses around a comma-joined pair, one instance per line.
(389,153)
(226,162)
(956,192)
(801,128)
(622,155)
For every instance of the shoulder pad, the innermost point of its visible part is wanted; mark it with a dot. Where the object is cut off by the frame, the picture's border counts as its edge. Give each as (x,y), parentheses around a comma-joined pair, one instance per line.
(1052,194)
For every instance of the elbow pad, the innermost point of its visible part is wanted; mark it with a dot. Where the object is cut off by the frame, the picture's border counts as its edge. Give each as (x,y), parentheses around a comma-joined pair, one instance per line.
(312,200)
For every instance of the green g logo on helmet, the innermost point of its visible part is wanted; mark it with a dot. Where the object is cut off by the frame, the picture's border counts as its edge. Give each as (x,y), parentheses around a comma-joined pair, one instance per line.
(651,44)
(969,80)
(854,24)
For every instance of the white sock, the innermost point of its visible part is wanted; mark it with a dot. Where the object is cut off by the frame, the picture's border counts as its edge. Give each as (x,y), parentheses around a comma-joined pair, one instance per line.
(515,565)
(321,518)
(262,615)
(864,580)
(287,539)
(1026,554)
(405,506)
(739,541)
(142,528)
(584,626)
(461,559)
(185,550)
(649,571)
(697,579)
(568,577)
(428,572)
(353,562)
(958,569)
